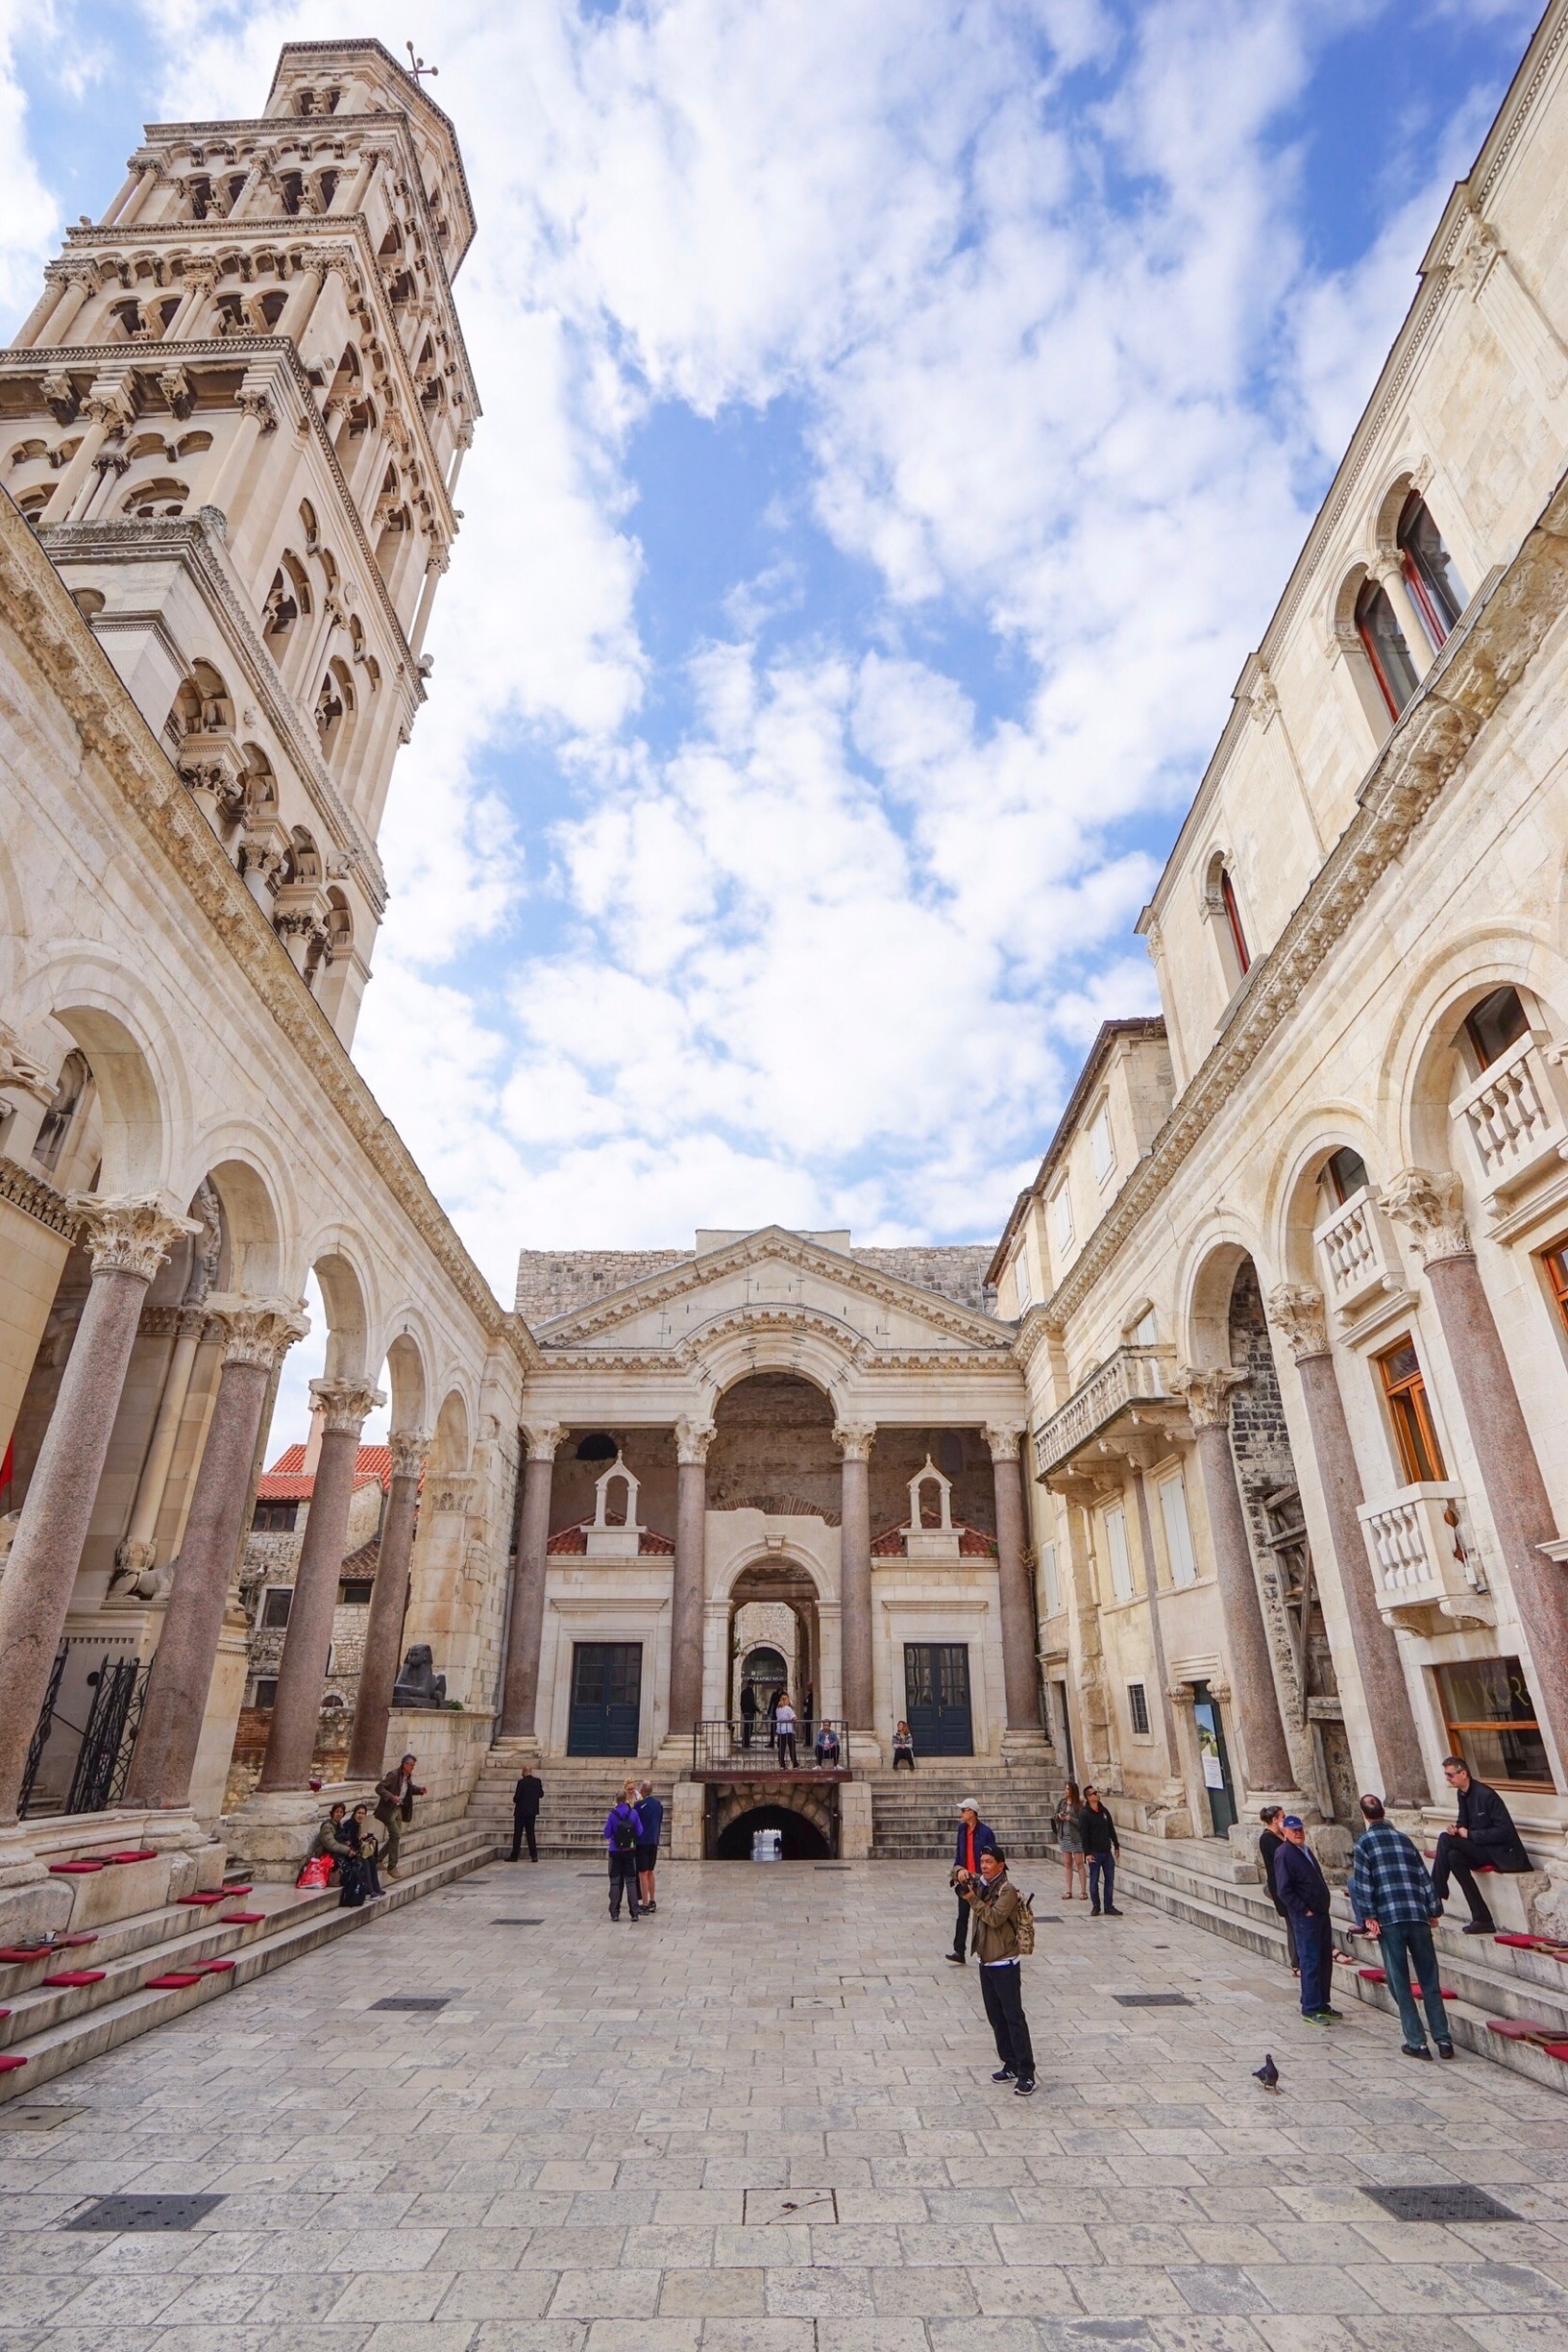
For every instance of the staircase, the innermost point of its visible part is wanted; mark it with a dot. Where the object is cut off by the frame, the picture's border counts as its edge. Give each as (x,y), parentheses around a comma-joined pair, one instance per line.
(914,1815)
(46,2029)
(578,1791)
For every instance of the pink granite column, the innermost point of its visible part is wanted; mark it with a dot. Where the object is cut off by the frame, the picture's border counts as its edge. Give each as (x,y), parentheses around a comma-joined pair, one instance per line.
(302,1669)
(128,1241)
(1157,1634)
(257,1336)
(1021,1667)
(1297,1309)
(693,1439)
(1430,1203)
(855,1574)
(520,1699)
(1266,1758)
(388,1600)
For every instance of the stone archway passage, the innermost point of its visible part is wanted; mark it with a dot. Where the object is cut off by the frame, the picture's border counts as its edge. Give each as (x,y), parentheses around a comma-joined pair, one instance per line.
(802,1840)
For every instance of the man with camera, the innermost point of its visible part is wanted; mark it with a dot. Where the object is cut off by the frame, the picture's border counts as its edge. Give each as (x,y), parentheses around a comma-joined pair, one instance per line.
(998,1907)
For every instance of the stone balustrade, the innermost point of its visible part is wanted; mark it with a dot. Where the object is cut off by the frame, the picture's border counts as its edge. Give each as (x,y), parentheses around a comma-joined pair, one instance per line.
(1426,1574)
(1358,1254)
(1131,1376)
(1515,1113)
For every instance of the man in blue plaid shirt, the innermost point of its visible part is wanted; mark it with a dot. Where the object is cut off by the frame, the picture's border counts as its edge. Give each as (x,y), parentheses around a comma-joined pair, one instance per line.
(1393,1898)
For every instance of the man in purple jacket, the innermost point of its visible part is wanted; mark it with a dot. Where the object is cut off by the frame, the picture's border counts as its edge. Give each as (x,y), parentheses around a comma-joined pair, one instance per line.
(622,1835)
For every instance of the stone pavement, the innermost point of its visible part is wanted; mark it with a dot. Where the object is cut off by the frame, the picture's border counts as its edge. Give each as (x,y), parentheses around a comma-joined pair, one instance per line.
(762,2121)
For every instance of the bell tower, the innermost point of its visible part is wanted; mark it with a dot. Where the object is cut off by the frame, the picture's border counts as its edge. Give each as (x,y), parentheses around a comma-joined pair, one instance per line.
(235,421)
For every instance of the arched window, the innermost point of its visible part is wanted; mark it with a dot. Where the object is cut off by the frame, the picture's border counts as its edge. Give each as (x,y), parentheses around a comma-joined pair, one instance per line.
(597,1447)
(1387,652)
(1343,1174)
(56,1124)
(1500,1021)
(1436,590)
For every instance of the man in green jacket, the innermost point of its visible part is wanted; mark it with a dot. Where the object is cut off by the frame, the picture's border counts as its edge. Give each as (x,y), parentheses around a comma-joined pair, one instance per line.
(996,1904)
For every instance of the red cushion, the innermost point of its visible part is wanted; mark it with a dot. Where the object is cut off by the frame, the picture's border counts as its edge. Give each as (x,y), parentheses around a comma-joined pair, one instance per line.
(1522,1943)
(242,1919)
(1374,1975)
(1556,2049)
(1522,2029)
(15,1955)
(176,1981)
(69,1979)
(10,2062)
(74,1943)
(74,1870)
(244,1890)
(219,1968)
(143,1853)
(202,1899)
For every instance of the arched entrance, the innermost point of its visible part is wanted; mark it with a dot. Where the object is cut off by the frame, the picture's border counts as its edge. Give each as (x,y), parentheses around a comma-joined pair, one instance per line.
(801,1839)
(774,1640)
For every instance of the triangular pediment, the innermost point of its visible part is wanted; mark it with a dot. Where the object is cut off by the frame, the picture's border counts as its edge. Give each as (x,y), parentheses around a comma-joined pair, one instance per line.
(773,1276)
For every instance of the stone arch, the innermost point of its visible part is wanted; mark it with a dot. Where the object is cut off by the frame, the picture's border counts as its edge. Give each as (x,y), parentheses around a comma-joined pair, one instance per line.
(451,1445)
(807,1817)
(1205,1298)
(347,1294)
(252,1227)
(1294,1206)
(407,1383)
(774,1444)
(1422,1065)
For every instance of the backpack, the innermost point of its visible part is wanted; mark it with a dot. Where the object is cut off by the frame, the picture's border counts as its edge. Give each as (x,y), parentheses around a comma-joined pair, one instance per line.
(624,1840)
(1024,1927)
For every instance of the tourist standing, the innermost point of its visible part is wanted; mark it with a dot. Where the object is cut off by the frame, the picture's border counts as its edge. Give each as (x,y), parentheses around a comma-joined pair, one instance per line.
(394,1795)
(784,1731)
(1068,1822)
(1304,1891)
(1484,1837)
(996,1904)
(526,1799)
(903,1746)
(1101,1846)
(622,1835)
(1394,1899)
(975,1839)
(749,1713)
(1268,1845)
(650,1814)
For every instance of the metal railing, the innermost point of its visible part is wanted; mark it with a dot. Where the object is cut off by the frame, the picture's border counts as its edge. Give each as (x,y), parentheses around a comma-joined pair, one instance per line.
(752,1749)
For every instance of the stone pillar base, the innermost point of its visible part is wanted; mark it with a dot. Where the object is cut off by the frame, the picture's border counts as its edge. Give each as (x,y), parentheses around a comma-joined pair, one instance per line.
(20,1865)
(854,1821)
(271,1834)
(672,1757)
(686,1821)
(1026,1748)
(863,1752)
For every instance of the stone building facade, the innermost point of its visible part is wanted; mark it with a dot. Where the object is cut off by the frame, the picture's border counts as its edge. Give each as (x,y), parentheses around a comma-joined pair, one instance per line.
(1292,1279)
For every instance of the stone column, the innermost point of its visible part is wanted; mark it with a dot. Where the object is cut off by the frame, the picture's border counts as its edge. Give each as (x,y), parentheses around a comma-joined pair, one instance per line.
(302,1669)
(136,1557)
(1020,1666)
(1266,1758)
(693,1439)
(128,1241)
(1430,1203)
(855,1441)
(256,1335)
(1297,1309)
(1157,1635)
(520,1699)
(257,417)
(75,293)
(389,1595)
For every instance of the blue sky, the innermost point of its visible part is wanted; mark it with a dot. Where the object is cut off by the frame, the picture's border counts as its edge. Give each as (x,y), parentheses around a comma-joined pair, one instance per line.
(899,418)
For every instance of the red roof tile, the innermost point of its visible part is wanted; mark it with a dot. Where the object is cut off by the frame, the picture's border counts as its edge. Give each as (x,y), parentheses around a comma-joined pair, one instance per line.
(973,1542)
(289,1481)
(575,1540)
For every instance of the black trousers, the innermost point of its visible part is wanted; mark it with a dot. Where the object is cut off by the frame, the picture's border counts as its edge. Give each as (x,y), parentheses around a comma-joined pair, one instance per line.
(1455,1858)
(623,1876)
(962,1930)
(786,1739)
(1002,1988)
(524,1826)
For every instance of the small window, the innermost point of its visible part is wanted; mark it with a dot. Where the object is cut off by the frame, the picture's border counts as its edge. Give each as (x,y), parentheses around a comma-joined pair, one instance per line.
(1050,1580)
(598,1448)
(1233,918)
(1500,1021)
(1062,1217)
(1405,1389)
(1102,1142)
(1121,1566)
(1184,1566)
(1383,639)
(266,1691)
(1146,1330)
(354,1592)
(951,1453)
(275,1518)
(275,1604)
(1021,1278)
(1343,1175)
(1138,1709)
(1490,1720)
(1555,1262)
(1436,590)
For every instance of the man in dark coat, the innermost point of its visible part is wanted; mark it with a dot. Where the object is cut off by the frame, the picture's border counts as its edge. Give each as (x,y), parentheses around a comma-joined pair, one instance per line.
(394,1794)
(526,1799)
(974,1838)
(1484,1836)
(1268,1845)
(1304,1891)
(749,1713)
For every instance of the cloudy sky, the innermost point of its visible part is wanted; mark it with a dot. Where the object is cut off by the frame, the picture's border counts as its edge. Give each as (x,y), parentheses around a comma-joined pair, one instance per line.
(899,418)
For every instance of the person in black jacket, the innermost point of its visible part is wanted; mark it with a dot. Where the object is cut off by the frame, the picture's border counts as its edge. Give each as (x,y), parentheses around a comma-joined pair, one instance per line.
(526,1799)
(1302,1888)
(1484,1836)
(1101,1845)
(1268,1845)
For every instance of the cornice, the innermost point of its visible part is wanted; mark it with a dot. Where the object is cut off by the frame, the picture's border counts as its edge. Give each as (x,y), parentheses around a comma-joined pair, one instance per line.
(36,1198)
(1480,664)
(34,599)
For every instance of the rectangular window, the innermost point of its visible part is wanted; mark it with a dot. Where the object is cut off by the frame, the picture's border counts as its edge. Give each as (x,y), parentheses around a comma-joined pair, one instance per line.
(1556,1262)
(1050,1581)
(354,1593)
(1062,1217)
(1138,1709)
(1405,1389)
(1102,1142)
(275,1604)
(275,1518)
(1500,1021)
(1020,1277)
(266,1692)
(1490,1720)
(1121,1566)
(1184,1566)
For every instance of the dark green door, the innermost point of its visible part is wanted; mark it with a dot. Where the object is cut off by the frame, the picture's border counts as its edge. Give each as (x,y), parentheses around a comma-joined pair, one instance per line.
(937,1698)
(607,1699)
(1216,1763)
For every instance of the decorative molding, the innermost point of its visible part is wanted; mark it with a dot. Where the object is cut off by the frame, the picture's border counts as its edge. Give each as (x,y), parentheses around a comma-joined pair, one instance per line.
(854,1439)
(1298,1312)
(257,1331)
(1004,1441)
(19,1072)
(128,1234)
(693,1438)
(1208,1392)
(1430,1203)
(344,1405)
(409,1450)
(36,1198)
(542,1438)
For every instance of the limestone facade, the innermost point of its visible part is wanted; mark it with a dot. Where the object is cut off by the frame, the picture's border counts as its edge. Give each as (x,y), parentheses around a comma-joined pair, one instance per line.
(1290,1284)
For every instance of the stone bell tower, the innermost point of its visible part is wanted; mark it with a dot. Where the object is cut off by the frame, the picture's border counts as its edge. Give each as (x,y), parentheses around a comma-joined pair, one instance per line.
(235,421)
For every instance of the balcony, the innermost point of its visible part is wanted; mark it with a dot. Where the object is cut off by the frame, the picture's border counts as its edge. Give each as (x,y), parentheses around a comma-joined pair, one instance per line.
(1359,1260)
(1133,1382)
(1425,1570)
(1516,1115)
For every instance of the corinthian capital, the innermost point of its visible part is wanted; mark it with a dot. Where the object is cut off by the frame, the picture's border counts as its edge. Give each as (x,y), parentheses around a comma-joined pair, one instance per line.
(255,1330)
(854,1439)
(693,1438)
(1003,1441)
(344,1404)
(409,1448)
(126,1235)
(541,1439)
(1430,1202)
(1297,1311)
(1206,1389)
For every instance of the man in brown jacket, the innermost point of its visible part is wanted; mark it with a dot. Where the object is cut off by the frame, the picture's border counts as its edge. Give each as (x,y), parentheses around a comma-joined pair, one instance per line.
(394,1794)
(996,1904)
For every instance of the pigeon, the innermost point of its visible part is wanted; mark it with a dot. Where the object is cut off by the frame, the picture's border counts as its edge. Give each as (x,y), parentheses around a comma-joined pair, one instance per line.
(1268,2073)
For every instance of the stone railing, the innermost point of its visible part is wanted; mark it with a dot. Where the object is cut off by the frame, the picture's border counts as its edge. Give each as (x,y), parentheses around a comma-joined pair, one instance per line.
(1132,1375)
(1516,1113)
(1423,1568)
(1358,1254)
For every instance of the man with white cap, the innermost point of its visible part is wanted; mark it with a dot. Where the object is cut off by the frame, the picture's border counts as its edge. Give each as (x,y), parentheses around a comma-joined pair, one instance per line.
(975,1839)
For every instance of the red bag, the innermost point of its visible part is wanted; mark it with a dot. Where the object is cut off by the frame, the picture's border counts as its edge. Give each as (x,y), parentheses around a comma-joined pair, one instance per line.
(316,1872)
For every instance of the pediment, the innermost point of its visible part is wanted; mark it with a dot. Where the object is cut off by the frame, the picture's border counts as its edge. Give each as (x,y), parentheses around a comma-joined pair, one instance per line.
(773,1277)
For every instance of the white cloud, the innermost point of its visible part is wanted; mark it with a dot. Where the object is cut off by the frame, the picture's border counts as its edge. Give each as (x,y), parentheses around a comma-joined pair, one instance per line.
(30,218)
